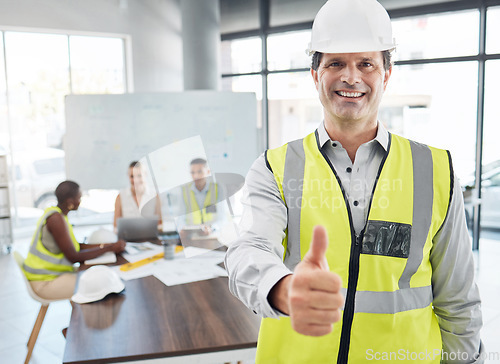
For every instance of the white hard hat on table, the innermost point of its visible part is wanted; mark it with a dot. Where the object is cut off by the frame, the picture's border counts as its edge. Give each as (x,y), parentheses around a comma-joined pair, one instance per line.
(102,236)
(96,283)
(350,26)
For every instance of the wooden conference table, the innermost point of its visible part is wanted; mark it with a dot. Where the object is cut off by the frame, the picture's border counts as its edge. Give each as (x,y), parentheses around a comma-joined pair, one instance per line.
(198,322)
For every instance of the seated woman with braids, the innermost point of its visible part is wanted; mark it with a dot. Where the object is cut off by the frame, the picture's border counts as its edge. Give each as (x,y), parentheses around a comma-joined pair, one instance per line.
(54,248)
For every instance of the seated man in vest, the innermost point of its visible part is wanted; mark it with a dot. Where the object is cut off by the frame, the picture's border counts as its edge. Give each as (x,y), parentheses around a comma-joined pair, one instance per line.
(199,200)
(54,248)
(353,243)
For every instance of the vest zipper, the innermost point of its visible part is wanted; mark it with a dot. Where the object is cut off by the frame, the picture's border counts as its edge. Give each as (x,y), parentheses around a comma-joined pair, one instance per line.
(345,336)
(347,317)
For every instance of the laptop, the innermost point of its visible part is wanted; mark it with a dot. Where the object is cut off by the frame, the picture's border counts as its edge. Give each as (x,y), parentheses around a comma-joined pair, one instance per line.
(137,228)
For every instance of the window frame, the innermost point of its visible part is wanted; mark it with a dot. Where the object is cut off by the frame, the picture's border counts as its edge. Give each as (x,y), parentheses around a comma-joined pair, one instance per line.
(127,77)
(430,9)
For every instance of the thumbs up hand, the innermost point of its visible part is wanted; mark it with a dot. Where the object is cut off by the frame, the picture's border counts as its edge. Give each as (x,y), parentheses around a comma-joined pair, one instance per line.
(311,295)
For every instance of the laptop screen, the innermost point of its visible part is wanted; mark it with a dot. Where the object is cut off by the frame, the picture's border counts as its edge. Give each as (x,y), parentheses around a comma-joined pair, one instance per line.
(137,228)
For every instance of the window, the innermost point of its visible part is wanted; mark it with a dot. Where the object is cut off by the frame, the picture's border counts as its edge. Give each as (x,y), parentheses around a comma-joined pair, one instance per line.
(435,104)
(41,70)
(246,84)
(38,80)
(434,36)
(433,90)
(493,30)
(285,51)
(294,108)
(490,193)
(4,124)
(241,56)
(97,65)
(491,151)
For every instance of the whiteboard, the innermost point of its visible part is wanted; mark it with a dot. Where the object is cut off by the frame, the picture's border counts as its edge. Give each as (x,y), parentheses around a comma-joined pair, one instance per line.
(104,133)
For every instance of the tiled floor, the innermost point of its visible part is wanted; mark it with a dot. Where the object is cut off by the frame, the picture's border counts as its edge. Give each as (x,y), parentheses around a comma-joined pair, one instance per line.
(18,311)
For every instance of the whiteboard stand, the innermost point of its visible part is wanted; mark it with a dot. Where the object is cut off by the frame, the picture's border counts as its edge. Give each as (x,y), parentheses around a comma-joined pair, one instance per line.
(5,219)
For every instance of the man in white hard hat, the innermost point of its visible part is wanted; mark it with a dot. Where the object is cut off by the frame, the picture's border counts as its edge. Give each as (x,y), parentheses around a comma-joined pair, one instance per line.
(354,245)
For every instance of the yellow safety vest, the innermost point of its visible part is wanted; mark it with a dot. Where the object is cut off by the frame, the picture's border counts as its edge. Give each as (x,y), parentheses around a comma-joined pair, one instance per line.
(386,272)
(41,264)
(196,214)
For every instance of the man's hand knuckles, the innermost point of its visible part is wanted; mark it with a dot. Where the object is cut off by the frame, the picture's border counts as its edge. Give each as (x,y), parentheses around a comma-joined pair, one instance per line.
(339,300)
(332,316)
(300,279)
(297,299)
(311,330)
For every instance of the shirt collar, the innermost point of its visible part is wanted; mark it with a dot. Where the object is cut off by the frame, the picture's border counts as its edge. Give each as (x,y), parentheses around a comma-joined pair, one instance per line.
(204,189)
(382,136)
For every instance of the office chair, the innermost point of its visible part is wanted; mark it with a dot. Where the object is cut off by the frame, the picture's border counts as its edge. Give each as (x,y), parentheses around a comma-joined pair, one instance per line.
(43,309)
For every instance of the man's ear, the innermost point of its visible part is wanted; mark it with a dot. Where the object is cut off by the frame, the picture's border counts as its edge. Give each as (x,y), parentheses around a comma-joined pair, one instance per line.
(387,75)
(314,75)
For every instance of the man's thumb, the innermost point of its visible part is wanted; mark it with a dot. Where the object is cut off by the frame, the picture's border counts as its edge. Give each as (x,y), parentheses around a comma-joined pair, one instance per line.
(317,249)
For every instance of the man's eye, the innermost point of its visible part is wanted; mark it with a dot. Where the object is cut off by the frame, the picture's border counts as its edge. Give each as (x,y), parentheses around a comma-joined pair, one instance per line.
(334,64)
(367,64)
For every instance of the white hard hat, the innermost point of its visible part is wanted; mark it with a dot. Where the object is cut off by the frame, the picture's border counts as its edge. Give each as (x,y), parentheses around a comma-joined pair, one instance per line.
(96,283)
(102,236)
(350,26)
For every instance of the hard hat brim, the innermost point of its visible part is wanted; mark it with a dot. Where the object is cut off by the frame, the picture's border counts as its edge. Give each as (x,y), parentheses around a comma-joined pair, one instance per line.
(81,298)
(350,48)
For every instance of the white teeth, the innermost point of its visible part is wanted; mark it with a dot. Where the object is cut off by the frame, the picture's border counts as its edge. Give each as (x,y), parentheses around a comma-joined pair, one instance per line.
(350,94)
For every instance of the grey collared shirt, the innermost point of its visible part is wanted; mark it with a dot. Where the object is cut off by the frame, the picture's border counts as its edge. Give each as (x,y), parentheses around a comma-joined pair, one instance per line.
(200,195)
(255,260)
(357,178)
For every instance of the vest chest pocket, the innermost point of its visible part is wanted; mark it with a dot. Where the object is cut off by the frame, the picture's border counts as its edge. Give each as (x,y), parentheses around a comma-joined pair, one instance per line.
(212,209)
(387,238)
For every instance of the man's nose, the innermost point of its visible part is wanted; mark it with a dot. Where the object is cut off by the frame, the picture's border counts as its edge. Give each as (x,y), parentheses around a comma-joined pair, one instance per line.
(351,75)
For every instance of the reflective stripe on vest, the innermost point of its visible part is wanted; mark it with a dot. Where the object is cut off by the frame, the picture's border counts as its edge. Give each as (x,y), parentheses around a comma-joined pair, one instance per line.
(195,214)
(385,271)
(41,264)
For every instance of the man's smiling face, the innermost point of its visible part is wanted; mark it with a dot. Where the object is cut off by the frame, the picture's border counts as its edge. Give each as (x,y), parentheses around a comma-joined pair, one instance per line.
(351,85)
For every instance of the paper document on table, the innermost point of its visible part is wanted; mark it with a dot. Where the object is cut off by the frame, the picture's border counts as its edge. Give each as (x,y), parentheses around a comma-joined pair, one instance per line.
(201,253)
(174,273)
(193,227)
(221,272)
(180,271)
(141,272)
(106,258)
(202,264)
(210,236)
(138,251)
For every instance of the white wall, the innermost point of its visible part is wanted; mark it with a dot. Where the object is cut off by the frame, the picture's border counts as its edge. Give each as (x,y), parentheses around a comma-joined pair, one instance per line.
(153,25)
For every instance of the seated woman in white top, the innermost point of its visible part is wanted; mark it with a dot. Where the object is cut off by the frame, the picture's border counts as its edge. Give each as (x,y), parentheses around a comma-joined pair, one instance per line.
(130,200)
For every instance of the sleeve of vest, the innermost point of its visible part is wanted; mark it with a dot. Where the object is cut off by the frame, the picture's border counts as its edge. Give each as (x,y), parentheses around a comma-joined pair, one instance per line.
(456,297)
(254,261)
